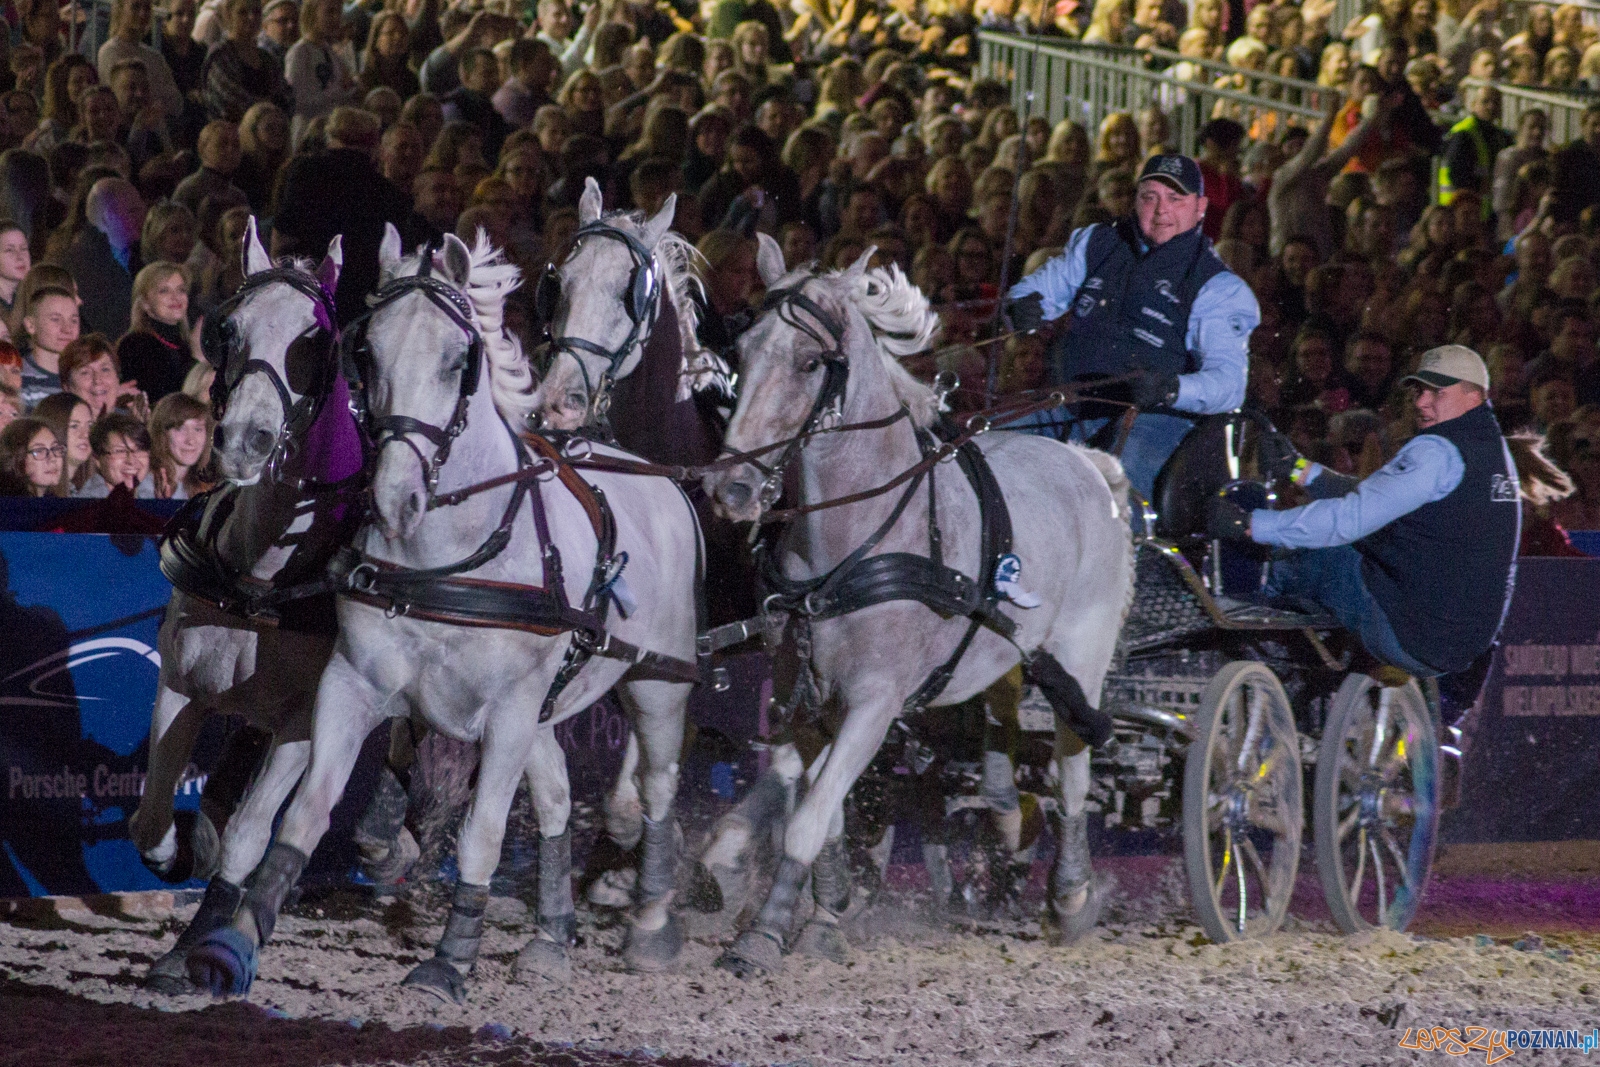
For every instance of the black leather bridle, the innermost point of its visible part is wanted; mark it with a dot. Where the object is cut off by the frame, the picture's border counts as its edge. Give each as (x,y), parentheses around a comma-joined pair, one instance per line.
(391,428)
(220,342)
(827,410)
(643,305)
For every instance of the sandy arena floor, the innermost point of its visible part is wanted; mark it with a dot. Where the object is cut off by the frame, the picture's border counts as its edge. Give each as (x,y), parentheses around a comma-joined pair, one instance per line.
(1149,990)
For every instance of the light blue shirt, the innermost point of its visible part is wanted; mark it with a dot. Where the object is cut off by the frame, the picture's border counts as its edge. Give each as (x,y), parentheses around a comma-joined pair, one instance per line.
(1428,468)
(1224,313)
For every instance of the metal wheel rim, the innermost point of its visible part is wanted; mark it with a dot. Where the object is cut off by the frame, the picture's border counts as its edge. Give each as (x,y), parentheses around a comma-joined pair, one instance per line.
(1243,814)
(1376,805)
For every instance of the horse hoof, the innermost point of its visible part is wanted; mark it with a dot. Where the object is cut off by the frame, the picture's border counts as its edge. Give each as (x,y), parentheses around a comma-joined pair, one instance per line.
(822,939)
(224,963)
(753,955)
(390,871)
(169,975)
(648,951)
(705,892)
(614,889)
(543,959)
(1062,928)
(437,978)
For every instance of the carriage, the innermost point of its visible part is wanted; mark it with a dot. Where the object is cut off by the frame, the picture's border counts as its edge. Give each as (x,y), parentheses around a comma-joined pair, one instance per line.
(1222,707)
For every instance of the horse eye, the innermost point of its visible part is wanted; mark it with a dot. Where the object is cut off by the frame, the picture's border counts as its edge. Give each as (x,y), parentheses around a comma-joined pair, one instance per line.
(812,364)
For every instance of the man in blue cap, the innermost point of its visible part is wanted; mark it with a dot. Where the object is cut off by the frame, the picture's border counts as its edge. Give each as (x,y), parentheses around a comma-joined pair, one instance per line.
(1153,306)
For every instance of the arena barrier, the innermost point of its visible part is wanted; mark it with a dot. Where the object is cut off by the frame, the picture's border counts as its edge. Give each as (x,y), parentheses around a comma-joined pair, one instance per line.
(1088,82)
(79,615)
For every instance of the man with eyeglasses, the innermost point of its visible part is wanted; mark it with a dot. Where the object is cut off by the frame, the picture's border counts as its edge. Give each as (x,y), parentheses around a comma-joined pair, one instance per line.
(1153,307)
(1418,559)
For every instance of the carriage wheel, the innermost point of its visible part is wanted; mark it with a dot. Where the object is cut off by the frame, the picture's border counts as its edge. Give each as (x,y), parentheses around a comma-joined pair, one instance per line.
(1375,815)
(1242,808)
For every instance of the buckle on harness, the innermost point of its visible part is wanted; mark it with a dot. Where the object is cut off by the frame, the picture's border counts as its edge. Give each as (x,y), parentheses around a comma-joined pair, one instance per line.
(361,577)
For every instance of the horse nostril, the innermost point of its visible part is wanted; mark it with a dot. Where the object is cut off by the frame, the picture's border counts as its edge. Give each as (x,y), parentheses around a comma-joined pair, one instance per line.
(734,494)
(261,441)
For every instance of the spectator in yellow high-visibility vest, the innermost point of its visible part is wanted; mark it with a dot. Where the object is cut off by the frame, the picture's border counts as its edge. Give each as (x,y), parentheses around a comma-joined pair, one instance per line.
(1471,148)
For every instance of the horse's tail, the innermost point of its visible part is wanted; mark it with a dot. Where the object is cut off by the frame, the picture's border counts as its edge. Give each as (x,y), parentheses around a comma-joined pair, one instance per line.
(1110,468)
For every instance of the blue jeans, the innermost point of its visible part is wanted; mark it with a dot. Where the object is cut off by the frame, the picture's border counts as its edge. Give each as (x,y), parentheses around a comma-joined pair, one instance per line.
(1331,578)
(1151,442)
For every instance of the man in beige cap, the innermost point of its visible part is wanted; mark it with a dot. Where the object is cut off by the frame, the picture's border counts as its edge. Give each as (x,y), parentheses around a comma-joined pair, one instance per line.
(1419,557)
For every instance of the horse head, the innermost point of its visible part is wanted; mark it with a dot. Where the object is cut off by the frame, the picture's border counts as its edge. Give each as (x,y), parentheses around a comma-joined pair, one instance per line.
(272,345)
(821,354)
(600,304)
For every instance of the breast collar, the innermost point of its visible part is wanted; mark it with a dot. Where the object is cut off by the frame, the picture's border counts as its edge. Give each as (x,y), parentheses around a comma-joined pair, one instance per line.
(642,306)
(220,343)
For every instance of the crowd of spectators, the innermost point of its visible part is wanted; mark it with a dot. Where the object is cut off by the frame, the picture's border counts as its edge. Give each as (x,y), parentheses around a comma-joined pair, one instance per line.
(1404,218)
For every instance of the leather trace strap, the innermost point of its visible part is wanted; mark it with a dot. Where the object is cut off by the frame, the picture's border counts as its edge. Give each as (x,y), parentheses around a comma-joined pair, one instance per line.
(642,305)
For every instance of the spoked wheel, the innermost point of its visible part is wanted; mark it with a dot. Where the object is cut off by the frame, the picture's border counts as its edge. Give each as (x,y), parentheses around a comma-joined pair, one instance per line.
(1242,813)
(1375,816)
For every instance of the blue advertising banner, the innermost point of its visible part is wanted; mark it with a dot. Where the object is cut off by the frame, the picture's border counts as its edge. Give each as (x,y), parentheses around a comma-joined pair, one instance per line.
(1530,771)
(79,666)
(79,614)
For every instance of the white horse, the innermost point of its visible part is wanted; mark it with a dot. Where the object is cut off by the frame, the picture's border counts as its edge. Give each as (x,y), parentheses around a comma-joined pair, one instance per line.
(447,389)
(268,529)
(822,355)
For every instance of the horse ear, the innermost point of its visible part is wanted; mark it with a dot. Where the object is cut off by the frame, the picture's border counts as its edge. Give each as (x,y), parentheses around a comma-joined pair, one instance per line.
(332,263)
(859,267)
(389,251)
(589,203)
(256,259)
(657,227)
(769,259)
(453,260)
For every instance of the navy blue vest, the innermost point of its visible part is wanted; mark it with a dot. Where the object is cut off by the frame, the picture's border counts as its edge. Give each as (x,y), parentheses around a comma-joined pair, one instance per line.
(1132,311)
(1443,573)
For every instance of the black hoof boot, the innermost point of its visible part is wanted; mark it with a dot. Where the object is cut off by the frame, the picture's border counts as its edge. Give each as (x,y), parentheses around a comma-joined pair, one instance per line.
(1070,920)
(759,950)
(438,978)
(822,938)
(654,951)
(387,848)
(544,960)
(444,976)
(169,975)
(226,959)
(753,955)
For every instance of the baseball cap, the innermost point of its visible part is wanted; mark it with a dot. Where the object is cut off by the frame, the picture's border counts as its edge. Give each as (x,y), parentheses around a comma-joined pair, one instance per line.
(1180,172)
(1449,364)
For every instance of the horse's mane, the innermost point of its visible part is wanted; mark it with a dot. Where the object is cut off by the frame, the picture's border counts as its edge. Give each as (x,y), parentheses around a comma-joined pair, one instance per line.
(903,324)
(490,279)
(699,368)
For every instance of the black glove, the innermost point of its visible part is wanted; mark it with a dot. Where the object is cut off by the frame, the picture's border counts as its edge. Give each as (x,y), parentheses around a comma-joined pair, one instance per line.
(1026,314)
(1276,456)
(1226,520)
(1154,390)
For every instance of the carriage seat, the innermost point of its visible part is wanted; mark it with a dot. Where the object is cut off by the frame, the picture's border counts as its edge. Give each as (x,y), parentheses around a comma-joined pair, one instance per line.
(1209,458)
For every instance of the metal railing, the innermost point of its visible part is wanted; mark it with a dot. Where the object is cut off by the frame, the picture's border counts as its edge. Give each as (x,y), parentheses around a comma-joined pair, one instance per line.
(1086,83)
(1564,112)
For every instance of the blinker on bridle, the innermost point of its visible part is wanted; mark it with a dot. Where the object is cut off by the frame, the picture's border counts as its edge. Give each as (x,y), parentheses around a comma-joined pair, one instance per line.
(827,411)
(391,428)
(644,291)
(220,343)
